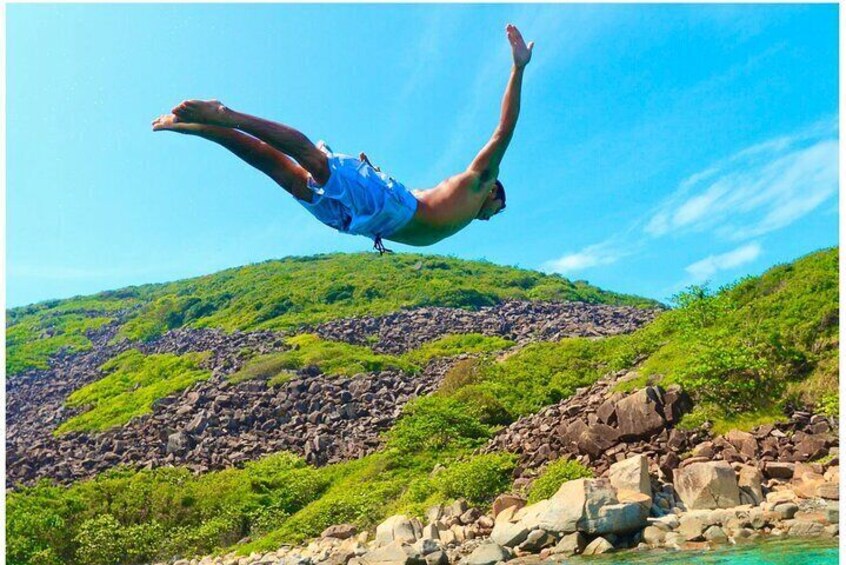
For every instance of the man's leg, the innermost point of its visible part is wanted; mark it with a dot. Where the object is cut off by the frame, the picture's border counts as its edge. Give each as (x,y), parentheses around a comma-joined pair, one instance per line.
(257,153)
(285,139)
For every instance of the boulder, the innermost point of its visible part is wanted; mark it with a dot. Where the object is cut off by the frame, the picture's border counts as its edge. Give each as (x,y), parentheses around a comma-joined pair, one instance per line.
(340,531)
(596,439)
(537,540)
(397,528)
(640,414)
(487,554)
(617,519)
(743,442)
(653,535)
(631,474)
(179,442)
(437,558)
(598,546)
(779,470)
(507,500)
(636,497)
(394,553)
(707,485)
(715,534)
(692,525)
(425,546)
(571,544)
(749,482)
(509,535)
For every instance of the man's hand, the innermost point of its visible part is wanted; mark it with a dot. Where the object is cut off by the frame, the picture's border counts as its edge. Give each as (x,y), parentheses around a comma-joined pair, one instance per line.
(522,53)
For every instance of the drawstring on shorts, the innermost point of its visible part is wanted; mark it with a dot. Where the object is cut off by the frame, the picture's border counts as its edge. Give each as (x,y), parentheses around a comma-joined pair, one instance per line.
(379,246)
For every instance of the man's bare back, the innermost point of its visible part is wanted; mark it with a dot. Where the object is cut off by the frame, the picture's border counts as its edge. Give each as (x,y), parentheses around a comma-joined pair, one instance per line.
(419,217)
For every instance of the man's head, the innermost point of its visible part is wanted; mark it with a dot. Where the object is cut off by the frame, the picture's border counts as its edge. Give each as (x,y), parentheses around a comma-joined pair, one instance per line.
(494,203)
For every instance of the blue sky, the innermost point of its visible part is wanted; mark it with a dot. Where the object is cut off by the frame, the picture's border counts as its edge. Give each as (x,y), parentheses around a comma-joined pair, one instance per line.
(658,146)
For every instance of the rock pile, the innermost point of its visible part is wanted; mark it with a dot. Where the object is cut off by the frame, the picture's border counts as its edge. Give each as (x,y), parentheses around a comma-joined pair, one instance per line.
(214,425)
(584,517)
(599,427)
(518,320)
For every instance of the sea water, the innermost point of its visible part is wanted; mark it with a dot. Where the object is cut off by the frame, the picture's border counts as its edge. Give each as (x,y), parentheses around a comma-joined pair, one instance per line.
(780,552)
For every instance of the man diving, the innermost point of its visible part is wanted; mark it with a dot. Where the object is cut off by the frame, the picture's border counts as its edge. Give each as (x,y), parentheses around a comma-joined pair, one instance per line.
(348,193)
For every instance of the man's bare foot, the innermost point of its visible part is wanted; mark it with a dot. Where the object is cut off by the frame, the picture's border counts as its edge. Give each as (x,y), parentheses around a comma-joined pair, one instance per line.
(170,122)
(204,112)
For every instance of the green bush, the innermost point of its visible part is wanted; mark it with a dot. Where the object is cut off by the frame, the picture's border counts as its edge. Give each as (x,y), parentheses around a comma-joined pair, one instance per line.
(483,405)
(479,479)
(436,423)
(101,541)
(553,476)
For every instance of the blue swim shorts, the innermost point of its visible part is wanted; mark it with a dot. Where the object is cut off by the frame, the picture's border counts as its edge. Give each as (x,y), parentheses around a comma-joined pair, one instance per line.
(357,199)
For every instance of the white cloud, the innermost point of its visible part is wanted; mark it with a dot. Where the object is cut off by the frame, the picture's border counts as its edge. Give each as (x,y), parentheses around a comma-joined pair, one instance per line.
(591,256)
(758,190)
(709,266)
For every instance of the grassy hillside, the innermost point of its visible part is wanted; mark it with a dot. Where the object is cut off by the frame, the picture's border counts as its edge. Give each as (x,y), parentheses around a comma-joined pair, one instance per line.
(743,351)
(750,348)
(284,295)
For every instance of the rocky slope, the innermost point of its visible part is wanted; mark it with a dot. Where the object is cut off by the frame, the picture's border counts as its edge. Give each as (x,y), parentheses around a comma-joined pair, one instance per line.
(215,424)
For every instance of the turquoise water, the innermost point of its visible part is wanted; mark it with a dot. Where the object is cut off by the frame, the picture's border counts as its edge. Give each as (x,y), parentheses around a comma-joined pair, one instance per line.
(779,552)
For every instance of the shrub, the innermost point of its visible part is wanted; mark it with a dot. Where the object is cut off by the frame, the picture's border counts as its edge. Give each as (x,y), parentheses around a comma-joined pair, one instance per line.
(101,541)
(463,373)
(479,479)
(436,423)
(553,476)
(483,405)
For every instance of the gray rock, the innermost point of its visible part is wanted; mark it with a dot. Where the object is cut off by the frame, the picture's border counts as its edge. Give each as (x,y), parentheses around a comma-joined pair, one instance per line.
(437,558)
(339,531)
(598,546)
(654,535)
(631,474)
(617,519)
(803,528)
(707,485)
(715,534)
(487,554)
(571,544)
(508,534)
(394,553)
(536,540)
(397,528)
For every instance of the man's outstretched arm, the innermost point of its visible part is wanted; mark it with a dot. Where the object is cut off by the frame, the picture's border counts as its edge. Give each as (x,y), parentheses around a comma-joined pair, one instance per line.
(486,163)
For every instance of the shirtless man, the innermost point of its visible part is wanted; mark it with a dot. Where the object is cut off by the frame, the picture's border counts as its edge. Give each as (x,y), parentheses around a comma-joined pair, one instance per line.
(348,193)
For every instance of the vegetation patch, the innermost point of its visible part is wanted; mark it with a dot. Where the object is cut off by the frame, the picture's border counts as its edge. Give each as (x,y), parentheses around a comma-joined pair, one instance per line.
(456,344)
(36,332)
(33,340)
(133,382)
(751,347)
(553,476)
(335,358)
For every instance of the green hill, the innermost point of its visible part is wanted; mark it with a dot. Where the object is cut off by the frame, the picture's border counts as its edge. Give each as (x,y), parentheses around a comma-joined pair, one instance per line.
(283,295)
(744,352)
